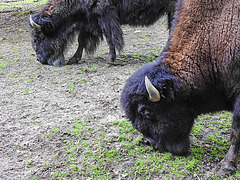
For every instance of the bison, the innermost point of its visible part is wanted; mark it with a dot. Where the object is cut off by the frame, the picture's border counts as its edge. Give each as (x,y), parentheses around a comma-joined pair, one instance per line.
(197,72)
(53,28)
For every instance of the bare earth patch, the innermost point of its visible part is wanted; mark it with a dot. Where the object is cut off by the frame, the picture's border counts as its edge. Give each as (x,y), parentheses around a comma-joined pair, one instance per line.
(67,122)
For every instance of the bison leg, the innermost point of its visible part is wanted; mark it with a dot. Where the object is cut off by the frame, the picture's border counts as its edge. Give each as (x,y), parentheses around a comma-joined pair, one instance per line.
(111,29)
(112,52)
(78,54)
(230,161)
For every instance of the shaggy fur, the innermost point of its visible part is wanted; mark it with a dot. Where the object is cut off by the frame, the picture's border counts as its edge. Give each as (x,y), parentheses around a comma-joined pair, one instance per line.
(198,72)
(60,20)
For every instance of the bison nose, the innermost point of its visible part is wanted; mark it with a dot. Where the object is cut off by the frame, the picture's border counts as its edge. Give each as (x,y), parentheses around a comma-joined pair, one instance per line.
(39,59)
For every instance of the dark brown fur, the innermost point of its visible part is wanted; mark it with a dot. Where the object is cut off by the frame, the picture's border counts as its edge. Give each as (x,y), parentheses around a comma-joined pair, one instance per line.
(48,9)
(204,51)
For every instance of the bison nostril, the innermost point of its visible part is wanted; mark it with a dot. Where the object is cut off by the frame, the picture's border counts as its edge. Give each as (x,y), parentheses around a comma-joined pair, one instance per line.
(145,114)
(38,58)
(42,61)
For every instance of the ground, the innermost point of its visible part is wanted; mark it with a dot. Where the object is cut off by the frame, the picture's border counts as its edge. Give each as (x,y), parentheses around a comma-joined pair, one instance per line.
(68,123)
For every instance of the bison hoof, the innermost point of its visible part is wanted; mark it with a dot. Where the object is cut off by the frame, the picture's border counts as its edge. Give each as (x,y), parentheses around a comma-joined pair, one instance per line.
(111,59)
(114,64)
(73,61)
(225,168)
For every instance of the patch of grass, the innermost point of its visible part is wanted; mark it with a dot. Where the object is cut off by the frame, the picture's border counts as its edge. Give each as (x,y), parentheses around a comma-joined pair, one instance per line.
(210,130)
(30,80)
(5,63)
(1,71)
(59,175)
(20,3)
(71,86)
(4,101)
(47,165)
(96,57)
(94,66)
(149,58)
(83,80)
(85,69)
(48,135)
(95,153)
(28,162)
(36,121)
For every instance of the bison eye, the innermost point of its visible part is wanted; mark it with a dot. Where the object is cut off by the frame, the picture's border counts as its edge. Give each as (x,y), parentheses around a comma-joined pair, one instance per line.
(47,28)
(145,114)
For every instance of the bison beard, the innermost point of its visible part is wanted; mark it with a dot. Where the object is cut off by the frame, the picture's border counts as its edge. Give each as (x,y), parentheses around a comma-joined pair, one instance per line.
(55,26)
(198,72)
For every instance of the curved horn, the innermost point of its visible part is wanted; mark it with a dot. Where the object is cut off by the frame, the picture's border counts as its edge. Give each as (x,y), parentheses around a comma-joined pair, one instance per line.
(153,93)
(34,25)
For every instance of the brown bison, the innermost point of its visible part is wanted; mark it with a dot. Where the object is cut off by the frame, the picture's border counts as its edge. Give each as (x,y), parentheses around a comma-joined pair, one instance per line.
(198,72)
(53,28)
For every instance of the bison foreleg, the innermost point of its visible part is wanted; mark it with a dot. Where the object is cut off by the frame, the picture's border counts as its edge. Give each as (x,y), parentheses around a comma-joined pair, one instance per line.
(111,29)
(229,163)
(112,52)
(78,54)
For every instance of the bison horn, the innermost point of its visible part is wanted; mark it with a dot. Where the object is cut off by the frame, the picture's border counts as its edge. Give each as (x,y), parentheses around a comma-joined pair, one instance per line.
(153,93)
(34,25)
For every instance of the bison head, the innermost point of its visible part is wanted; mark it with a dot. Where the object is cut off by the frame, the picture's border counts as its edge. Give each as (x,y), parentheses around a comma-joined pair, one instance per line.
(152,102)
(46,41)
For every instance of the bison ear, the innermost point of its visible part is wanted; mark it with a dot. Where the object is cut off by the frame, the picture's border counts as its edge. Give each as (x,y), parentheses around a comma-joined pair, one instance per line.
(47,27)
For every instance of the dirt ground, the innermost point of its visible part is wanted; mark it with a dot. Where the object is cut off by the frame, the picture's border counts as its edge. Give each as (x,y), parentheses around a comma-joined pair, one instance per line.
(39,100)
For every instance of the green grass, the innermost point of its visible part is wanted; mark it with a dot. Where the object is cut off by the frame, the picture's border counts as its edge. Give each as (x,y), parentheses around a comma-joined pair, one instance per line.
(90,156)
(4,101)
(211,130)
(20,3)
(115,149)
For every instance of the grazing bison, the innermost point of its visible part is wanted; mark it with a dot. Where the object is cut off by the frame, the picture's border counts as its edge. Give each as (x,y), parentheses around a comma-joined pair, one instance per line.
(197,72)
(54,27)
